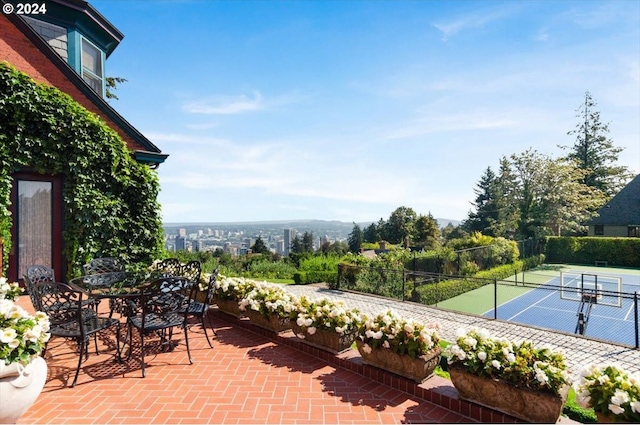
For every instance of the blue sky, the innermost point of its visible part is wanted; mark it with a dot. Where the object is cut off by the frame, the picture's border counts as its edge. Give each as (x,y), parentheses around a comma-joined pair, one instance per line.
(346,110)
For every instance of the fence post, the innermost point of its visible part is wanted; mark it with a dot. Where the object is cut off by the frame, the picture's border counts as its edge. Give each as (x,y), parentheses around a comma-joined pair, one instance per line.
(635,308)
(404,282)
(495,299)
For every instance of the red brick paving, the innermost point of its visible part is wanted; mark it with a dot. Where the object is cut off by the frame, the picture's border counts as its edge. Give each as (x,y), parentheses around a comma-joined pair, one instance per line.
(245,379)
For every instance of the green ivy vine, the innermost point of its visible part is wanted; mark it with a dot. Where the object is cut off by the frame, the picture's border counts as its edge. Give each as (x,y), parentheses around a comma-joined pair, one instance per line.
(110,200)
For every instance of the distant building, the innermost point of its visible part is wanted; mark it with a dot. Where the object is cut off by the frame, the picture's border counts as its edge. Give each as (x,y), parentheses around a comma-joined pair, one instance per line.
(289,236)
(181,243)
(280,247)
(620,217)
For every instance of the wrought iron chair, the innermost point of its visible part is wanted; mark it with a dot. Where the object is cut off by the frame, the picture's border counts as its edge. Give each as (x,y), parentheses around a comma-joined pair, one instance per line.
(192,271)
(36,274)
(169,267)
(111,270)
(161,307)
(103,265)
(69,319)
(199,309)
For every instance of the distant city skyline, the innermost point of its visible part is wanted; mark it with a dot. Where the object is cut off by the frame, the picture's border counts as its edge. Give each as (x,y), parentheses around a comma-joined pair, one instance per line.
(347,110)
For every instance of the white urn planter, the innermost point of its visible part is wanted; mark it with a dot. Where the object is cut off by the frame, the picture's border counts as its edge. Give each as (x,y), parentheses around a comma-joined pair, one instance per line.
(20,386)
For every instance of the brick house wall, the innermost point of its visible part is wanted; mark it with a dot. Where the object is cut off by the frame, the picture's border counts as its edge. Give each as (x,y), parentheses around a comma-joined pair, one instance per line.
(17,50)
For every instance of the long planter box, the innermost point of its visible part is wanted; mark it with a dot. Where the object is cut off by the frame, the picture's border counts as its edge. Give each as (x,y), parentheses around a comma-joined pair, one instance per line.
(523,403)
(418,369)
(324,339)
(229,307)
(272,323)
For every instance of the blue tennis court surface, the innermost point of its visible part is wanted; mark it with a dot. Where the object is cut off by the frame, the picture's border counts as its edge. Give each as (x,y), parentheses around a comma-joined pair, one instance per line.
(546,306)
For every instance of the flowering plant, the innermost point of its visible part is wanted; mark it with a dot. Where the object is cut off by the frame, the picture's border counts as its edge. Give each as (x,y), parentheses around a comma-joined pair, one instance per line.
(22,336)
(402,336)
(268,298)
(519,363)
(610,389)
(233,288)
(325,314)
(9,291)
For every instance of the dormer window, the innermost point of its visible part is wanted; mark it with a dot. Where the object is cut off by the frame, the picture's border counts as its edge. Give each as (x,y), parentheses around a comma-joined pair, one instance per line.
(92,66)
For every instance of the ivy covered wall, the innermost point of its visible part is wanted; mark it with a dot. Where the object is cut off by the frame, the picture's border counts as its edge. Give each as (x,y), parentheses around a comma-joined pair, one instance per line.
(110,200)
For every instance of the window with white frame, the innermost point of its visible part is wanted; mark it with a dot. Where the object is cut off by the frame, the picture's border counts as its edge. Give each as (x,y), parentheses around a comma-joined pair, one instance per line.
(92,66)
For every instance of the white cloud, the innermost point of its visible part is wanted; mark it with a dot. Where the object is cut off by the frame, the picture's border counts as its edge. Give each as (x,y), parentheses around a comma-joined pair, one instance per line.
(472,21)
(226,105)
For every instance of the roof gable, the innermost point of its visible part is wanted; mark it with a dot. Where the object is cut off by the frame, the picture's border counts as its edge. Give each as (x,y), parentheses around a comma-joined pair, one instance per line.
(623,209)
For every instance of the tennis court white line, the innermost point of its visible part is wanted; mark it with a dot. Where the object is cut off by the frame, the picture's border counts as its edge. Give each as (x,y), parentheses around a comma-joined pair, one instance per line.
(574,312)
(533,305)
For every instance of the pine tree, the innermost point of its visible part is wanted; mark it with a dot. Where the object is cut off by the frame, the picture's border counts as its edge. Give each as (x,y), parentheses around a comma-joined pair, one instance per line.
(355,238)
(595,153)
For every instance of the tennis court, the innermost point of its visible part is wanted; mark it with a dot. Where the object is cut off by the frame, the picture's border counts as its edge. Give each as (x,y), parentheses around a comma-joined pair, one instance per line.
(599,303)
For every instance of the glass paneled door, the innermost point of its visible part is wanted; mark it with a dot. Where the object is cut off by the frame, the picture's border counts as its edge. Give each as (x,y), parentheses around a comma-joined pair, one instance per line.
(36,234)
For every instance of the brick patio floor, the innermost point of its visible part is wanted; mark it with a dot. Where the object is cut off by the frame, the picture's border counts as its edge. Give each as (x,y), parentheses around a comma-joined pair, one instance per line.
(246,378)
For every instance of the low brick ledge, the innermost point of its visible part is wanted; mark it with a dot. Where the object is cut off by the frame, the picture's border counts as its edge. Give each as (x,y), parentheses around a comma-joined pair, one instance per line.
(435,389)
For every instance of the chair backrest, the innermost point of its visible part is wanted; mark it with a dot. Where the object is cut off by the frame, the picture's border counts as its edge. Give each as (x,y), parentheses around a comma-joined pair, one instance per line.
(103,265)
(36,274)
(170,267)
(192,271)
(211,285)
(167,295)
(62,304)
(104,280)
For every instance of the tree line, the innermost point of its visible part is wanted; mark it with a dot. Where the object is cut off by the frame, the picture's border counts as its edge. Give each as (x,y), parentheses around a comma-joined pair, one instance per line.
(530,195)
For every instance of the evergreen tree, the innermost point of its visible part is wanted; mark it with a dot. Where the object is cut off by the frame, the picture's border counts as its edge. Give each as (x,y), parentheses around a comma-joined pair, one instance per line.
(595,153)
(486,213)
(259,247)
(307,242)
(371,234)
(355,238)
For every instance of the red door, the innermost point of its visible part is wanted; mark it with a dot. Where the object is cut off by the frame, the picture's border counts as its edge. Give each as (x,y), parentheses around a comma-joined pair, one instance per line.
(36,232)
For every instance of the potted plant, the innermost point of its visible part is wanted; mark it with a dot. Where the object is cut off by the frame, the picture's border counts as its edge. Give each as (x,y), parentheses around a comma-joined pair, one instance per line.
(229,291)
(23,337)
(402,346)
(326,324)
(268,306)
(508,376)
(612,392)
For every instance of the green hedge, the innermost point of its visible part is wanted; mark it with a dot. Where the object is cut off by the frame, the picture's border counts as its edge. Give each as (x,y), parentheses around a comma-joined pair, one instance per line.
(621,252)
(432,293)
(315,276)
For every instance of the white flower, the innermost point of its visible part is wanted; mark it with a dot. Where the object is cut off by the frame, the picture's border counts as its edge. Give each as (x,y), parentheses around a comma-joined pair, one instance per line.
(7,335)
(366,348)
(311,330)
(511,357)
(635,407)
(386,344)
(482,356)
(495,364)
(616,409)
(620,397)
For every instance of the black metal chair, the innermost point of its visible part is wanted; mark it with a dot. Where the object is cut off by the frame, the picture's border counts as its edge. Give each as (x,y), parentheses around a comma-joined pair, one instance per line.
(192,270)
(69,319)
(162,306)
(199,309)
(36,274)
(104,281)
(103,265)
(169,267)
(113,271)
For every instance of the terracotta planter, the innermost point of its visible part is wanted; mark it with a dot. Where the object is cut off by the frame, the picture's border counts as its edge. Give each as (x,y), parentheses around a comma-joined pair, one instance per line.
(417,369)
(20,387)
(324,339)
(273,322)
(229,307)
(523,403)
